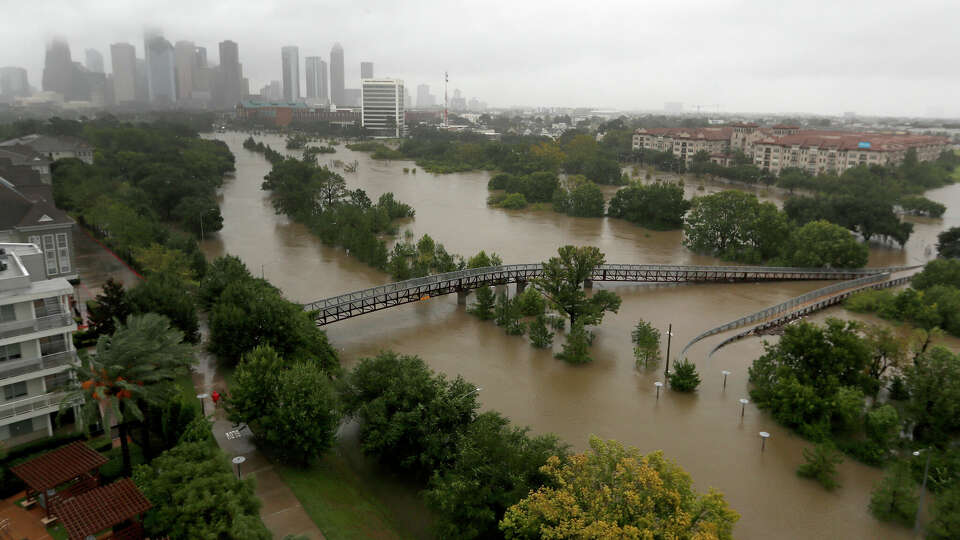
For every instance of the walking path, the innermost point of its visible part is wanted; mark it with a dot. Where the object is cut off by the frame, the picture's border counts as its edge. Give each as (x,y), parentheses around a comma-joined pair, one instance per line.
(281,511)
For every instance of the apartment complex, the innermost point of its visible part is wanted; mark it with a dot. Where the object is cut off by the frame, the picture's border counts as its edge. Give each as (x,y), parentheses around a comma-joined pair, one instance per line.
(36,351)
(383,107)
(778,147)
(282,113)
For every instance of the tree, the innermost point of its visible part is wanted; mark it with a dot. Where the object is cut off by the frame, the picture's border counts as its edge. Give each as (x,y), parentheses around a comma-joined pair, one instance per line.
(166,294)
(945,523)
(735,225)
(495,466)
(195,494)
(483,307)
(646,343)
(684,377)
(658,206)
(948,243)
(894,498)
(410,418)
(887,350)
(540,335)
(821,465)
(109,306)
(223,271)
(823,244)
(616,492)
(938,272)
(133,367)
(562,285)
(883,425)
(934,405)
(482,260)
(576,350)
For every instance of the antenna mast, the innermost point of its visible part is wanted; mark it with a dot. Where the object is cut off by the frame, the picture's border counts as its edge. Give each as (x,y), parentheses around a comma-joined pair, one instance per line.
(446,79)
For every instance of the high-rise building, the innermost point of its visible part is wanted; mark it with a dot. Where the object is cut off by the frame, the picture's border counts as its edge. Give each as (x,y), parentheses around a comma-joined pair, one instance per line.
(383,110)
(366,70)
(141,90)
(336,75)
(227,90)
(58,69)
(123,60)
(316,70)
(424,98)
(290,56)
(272,91)
(94,60)
(13,82)
(201,75)
(185,58)
(161,79)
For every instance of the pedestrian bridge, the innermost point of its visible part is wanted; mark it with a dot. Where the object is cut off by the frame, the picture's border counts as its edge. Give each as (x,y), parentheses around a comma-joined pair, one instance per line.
(353,304)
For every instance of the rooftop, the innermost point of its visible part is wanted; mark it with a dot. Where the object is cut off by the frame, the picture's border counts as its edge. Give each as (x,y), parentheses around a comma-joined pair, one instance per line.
(48,143)
(59,466)
(101,508)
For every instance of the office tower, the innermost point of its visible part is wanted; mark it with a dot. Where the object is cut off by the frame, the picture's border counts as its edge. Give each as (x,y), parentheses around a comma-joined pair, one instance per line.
(366,70)
(185,54)
(424,99)
(229,78)
(161,79)
(407,100)
(200,57)
(123,60)
(58,69)
(94,61)
(290,56)
(336,75)
(383,110)
(141,91)
(13,82)
(316,78)
(201,75)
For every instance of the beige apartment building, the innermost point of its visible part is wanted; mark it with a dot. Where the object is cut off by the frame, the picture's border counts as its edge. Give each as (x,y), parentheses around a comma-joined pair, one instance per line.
(778,147)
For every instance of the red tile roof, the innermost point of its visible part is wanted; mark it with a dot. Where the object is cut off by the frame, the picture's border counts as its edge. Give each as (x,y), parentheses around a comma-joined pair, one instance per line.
(58,466)
(846,140)
(702,133)
(101,508)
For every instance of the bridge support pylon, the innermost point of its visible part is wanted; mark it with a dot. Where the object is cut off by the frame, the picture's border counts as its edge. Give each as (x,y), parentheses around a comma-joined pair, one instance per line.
(521,285)
(462,297)
(588,284)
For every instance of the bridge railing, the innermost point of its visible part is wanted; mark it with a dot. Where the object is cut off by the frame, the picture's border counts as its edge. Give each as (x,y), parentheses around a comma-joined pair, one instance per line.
(787,306)
(526,269)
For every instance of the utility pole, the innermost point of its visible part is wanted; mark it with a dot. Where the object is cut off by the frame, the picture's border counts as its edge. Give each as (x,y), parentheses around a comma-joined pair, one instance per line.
(666,369)
(446,79)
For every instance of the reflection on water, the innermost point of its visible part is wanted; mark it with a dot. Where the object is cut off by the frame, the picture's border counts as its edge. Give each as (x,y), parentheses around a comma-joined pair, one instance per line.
(610,398)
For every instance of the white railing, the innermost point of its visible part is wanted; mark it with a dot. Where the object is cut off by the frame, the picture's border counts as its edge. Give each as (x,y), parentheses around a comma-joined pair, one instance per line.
(36,403)
(28,326)
(15,368)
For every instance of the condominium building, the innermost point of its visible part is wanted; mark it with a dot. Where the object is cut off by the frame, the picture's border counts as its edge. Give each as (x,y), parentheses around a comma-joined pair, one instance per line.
(291,73)
(36,351)
(778,147)
(383,111)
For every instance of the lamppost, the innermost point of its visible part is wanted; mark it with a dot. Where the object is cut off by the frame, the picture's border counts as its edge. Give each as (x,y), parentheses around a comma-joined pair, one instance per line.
(725,373)
(923,489)
(659,385)
(763,440)
(743,406)
(666,369)
(203,407)
(474,391)
(238,461)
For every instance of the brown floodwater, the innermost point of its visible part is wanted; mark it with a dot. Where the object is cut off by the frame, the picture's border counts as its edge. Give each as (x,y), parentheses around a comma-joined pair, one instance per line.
(609,398)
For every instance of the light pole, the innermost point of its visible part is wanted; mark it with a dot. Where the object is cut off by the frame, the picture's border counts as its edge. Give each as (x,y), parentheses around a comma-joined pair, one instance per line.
(659,385)
(763,440)
(474,391)
(666,369)
(923,489)
(203,407)
(238,461)
(725,373)
(201,226)
(743,406)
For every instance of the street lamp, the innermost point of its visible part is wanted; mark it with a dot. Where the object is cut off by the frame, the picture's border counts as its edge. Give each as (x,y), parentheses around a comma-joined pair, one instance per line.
(203,408)
(725,373)
(659,385)
(238,461)
(743,406)
(923,488)
(474,391)
(763,440)
(666,369)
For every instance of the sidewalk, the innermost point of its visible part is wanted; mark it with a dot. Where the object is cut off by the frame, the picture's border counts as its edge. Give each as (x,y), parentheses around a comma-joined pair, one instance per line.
(281,512)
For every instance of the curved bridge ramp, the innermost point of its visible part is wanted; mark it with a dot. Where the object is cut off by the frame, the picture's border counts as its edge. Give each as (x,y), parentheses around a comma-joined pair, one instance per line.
(364,301)
(798,307)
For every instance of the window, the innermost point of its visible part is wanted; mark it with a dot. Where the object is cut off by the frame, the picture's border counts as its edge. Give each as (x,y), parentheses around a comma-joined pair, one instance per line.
(15,390)
(7,313)
(63,252)
(52,344)
(22,427)
(9,352)
(50,254)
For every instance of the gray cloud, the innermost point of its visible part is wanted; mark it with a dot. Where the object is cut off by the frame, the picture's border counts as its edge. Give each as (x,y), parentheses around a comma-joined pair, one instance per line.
(879,56)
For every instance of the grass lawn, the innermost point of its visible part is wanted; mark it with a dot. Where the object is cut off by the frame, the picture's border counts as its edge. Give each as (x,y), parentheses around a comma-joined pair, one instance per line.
(337,501)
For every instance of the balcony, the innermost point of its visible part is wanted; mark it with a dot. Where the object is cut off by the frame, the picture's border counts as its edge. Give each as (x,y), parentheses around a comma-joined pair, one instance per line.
(33,404)
(29,326)
(15,368)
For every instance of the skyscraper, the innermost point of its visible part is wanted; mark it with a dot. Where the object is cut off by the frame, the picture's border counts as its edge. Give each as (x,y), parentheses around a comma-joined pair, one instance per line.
(290,57)
(185,53)
(424,99)
(141,91)
(202,77)
(316,70)
(13,82)
(94,61)
(383,111)
(58,69)
(227,90)
(123,60)
(366,70)
(161,79)
(336,75)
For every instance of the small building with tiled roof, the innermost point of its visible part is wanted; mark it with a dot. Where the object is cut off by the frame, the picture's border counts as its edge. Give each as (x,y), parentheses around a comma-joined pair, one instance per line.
(54,148)
(75,464)
(117,506)
(27,215)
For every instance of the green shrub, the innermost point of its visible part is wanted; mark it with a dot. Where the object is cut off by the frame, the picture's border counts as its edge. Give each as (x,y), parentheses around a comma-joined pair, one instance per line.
(684,377)
(821,465)
(514,201)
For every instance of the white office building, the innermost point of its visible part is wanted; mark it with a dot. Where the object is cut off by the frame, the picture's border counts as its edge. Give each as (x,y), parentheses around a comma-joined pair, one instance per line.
(383,111)
(291,73)
(36,350)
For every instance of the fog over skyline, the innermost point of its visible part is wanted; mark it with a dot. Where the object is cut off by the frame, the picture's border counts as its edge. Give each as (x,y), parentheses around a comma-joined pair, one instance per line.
(872,57)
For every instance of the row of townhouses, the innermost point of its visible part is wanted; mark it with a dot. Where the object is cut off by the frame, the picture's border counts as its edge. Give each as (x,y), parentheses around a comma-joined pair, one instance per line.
(778,147)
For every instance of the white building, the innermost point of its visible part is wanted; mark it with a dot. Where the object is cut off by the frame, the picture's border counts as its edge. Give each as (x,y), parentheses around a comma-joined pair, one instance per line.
(36,351)
(291,73)
(383,111)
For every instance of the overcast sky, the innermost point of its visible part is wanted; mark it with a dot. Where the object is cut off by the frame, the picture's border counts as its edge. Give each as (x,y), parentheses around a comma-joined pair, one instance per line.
(830,56)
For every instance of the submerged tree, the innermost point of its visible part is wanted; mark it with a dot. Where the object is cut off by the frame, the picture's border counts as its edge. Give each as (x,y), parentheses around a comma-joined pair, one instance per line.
(562,285)
(646,343)
(821,465)
(895,496)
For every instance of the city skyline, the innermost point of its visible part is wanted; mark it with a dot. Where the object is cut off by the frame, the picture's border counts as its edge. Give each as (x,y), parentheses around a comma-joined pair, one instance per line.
(877,65)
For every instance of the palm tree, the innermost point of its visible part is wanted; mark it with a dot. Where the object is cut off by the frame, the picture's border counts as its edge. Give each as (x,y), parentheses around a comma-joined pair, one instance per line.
(134,366)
